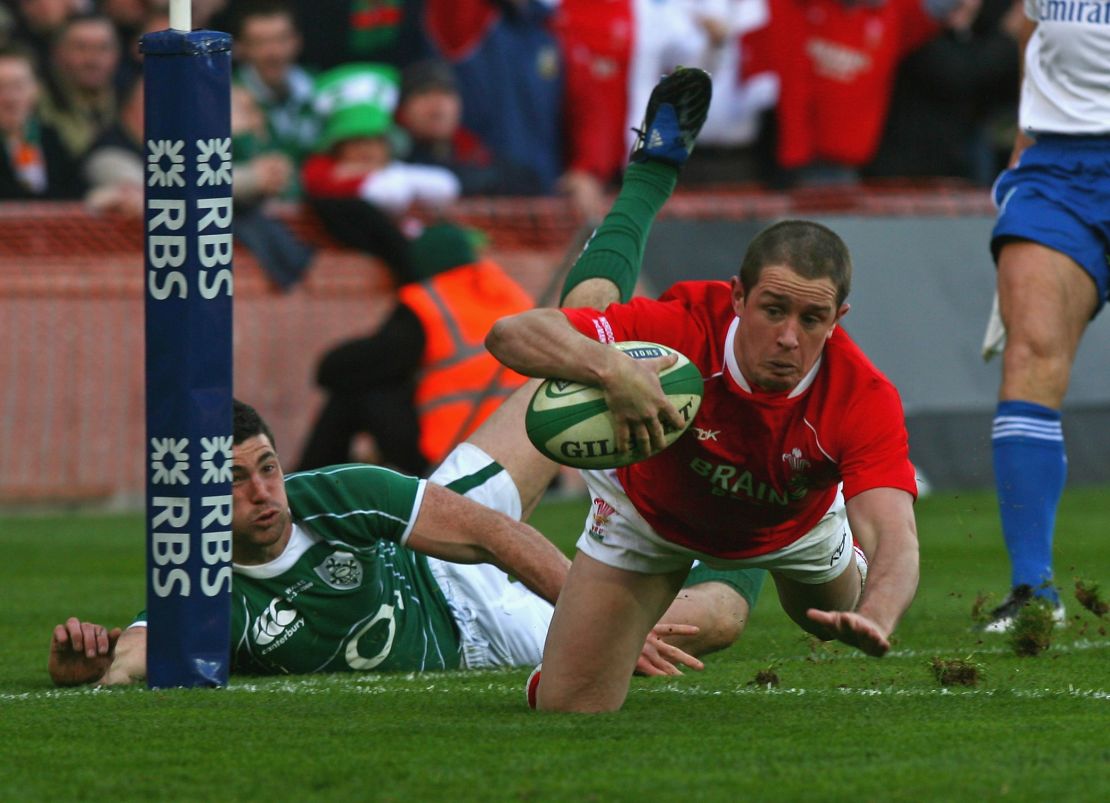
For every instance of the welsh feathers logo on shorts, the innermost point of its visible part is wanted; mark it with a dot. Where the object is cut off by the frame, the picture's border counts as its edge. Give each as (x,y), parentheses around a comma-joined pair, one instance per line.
(602,512)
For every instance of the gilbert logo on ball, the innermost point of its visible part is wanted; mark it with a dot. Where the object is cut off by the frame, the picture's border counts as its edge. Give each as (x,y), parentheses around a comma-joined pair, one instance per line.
(570,423)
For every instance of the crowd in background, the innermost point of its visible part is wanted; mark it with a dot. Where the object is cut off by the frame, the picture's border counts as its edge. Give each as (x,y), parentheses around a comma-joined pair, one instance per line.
(402,102)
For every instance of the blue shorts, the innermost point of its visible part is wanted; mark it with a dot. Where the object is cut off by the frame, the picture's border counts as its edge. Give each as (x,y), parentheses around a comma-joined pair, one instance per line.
(1059,196)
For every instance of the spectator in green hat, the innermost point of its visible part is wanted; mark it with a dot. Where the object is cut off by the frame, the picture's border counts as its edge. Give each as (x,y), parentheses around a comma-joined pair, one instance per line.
(357,156)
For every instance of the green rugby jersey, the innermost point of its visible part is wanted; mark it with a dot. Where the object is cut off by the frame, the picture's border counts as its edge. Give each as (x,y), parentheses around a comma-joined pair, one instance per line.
(344,596)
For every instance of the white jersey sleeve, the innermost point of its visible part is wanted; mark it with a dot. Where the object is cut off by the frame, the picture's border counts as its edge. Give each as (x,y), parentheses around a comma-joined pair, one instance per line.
(1067,68)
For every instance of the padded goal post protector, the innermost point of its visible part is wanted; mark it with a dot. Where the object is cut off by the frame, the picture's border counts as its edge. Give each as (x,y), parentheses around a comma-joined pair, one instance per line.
(188,305)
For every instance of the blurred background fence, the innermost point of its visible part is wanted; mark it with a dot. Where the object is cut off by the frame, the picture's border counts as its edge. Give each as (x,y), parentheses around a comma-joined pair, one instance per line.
(71,398)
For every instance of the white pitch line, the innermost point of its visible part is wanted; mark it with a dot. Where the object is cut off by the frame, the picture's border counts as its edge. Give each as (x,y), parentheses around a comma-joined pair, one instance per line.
(314,686)
(371,684)
(1029,694)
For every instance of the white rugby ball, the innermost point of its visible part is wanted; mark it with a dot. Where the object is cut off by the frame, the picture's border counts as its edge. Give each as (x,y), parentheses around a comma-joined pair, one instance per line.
(570,423)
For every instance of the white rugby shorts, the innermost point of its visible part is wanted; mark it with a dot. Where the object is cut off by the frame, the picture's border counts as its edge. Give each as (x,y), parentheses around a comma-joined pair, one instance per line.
(467,461)
(617,535)
(501,623)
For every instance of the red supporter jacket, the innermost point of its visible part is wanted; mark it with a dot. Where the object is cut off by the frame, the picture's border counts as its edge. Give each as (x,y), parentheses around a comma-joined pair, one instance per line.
(319,181)
(836,61)
(597,40)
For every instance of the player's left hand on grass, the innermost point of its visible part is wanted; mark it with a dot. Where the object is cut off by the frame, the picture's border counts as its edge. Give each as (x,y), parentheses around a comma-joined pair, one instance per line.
(853,629)
(81,652)
(660,658)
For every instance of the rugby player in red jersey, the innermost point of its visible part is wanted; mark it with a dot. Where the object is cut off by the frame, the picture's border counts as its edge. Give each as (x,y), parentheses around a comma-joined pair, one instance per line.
(798,448)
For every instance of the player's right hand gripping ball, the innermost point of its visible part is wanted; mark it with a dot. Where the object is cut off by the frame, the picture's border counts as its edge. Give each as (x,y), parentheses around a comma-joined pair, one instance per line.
(570,423)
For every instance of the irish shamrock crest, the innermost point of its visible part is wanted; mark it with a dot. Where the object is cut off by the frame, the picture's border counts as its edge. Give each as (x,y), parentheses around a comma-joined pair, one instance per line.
(341,570)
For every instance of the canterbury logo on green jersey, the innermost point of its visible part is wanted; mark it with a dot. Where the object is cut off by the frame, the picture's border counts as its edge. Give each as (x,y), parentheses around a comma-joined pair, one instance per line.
(275,625)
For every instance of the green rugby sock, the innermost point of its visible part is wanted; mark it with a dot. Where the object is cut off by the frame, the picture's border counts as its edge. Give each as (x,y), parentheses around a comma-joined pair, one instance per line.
(616,249)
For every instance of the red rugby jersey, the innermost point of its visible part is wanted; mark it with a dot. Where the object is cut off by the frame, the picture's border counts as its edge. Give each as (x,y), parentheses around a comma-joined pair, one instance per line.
(756,471)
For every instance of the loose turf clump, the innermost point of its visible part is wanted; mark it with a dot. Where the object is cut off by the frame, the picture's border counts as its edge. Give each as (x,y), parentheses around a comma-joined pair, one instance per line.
(1088,595)
(980,609)
(956,672)
(1032,631)
(819,650)
(768,678)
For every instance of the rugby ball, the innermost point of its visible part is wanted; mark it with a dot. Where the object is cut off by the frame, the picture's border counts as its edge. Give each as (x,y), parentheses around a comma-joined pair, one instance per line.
(570,423)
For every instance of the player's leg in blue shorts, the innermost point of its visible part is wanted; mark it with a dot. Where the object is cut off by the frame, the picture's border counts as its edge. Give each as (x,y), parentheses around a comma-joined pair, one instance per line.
(1057,197)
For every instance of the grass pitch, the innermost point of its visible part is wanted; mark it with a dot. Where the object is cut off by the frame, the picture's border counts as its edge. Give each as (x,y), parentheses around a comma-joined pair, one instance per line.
(776,717)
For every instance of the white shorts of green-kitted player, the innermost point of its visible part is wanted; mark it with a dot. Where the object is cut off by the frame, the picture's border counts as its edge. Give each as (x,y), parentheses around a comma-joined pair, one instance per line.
(501,623)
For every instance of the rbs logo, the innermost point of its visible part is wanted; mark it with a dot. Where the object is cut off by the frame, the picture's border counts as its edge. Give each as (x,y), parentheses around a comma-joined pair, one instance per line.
(170,241)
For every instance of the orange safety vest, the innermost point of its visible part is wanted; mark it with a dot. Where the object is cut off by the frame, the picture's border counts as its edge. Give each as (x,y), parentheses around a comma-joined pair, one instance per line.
(460,383)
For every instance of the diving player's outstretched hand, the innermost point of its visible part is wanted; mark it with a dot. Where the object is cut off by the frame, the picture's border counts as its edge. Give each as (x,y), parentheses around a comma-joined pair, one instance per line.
(853,629)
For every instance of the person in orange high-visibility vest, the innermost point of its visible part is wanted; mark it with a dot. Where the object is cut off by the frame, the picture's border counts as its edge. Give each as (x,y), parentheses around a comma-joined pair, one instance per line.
(424,380)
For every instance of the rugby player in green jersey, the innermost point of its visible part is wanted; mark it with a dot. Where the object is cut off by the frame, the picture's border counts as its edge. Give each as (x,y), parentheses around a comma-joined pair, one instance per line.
(357,568)
(360,568)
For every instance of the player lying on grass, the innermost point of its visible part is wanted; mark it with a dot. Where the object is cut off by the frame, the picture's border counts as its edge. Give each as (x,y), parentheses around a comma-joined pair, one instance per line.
(799,444)
(359,568)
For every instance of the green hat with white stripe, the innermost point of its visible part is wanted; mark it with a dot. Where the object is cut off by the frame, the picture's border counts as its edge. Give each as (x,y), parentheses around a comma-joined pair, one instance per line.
(356,100)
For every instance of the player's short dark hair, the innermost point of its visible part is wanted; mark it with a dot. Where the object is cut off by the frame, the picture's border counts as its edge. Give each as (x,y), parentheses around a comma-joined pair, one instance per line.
(813,251)
(246,423)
